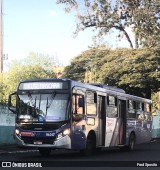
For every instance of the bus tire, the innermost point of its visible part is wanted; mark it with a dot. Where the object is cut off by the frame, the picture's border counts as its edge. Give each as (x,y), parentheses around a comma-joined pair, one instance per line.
(44,151)
(90,145)
(131,143)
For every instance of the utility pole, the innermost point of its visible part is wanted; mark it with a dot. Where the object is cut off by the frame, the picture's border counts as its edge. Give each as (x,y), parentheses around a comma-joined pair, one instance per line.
(1,39)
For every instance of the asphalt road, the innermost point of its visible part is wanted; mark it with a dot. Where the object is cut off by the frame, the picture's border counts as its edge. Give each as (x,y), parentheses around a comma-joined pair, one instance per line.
(144,153)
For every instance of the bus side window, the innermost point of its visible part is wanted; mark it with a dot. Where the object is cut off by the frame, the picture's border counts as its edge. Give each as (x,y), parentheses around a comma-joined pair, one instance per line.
(112,107)
(139,111)
(147,111)
(139,106)
(91,102)
(77,104)
(147,108)
(131,109)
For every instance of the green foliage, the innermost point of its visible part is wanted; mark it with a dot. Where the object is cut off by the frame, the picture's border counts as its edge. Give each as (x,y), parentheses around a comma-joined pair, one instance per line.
(155,99)
(145,19)
(32,67)
(141,16)
(84,62)
(133,70)
(136,71)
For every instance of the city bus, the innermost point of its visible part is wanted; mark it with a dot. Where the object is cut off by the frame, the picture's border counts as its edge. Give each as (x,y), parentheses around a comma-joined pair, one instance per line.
(66,114)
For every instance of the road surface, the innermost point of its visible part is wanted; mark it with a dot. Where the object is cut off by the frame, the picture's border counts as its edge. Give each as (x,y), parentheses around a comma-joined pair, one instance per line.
(144,155)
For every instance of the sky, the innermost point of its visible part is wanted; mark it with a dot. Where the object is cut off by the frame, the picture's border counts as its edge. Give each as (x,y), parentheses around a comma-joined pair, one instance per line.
(43,27)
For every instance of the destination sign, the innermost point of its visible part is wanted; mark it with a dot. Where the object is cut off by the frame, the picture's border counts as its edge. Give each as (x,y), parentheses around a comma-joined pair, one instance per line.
(40,85)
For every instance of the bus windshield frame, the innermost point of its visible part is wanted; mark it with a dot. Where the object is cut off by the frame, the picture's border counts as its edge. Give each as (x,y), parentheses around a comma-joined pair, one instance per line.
(42,106)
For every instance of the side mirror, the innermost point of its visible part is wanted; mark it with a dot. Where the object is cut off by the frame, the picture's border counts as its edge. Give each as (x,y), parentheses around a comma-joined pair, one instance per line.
(12,102)
(78,117)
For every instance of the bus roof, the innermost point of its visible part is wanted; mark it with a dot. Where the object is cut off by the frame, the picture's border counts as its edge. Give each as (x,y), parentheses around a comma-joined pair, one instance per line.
(96,87)
(110,88)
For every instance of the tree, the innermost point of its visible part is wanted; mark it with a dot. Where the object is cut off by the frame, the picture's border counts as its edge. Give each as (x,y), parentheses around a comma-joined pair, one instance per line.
(132,70)
(140,16)
(88,61)
(31,67)
(135,71)
(145,21)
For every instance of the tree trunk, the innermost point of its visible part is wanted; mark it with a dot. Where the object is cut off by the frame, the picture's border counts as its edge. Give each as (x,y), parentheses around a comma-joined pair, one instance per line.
(125,33)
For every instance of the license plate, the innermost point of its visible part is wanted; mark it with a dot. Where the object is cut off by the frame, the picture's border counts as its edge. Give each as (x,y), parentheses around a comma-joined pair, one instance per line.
(38,142)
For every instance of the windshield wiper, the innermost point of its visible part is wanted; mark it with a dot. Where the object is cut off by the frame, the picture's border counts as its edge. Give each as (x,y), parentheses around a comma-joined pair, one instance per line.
(49,102)
(33,103)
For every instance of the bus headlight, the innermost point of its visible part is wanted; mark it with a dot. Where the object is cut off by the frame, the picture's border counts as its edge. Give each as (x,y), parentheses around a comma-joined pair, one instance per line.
(17,132)
(62,134)
(66,132)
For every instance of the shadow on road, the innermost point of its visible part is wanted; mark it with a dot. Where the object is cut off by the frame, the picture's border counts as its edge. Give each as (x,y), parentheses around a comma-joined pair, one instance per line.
(143,152)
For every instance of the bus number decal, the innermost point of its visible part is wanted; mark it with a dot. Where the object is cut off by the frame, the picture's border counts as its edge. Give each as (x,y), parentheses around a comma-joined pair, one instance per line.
(50,134)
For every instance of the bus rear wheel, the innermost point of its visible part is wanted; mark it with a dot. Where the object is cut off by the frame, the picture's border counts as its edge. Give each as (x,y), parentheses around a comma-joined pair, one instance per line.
(44,151)
(131,143)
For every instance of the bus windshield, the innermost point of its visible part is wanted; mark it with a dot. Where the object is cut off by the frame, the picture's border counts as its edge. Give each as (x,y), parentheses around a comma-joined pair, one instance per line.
(42,107)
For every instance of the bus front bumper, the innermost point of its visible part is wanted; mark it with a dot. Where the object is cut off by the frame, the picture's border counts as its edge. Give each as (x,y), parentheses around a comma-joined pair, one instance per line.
(62,143)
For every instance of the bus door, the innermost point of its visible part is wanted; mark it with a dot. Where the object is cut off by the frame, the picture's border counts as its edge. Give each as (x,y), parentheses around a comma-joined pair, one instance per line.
(112,122)
(101,120)
(123,121)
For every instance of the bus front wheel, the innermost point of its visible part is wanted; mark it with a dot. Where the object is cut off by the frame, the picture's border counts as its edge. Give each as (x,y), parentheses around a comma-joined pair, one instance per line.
(90,146)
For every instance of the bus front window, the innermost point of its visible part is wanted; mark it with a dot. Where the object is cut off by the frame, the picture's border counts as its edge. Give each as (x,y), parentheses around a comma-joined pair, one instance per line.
(43,107)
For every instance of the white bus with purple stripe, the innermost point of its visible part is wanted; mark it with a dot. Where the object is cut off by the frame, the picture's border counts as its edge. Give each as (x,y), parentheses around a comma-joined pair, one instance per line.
(65,114)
